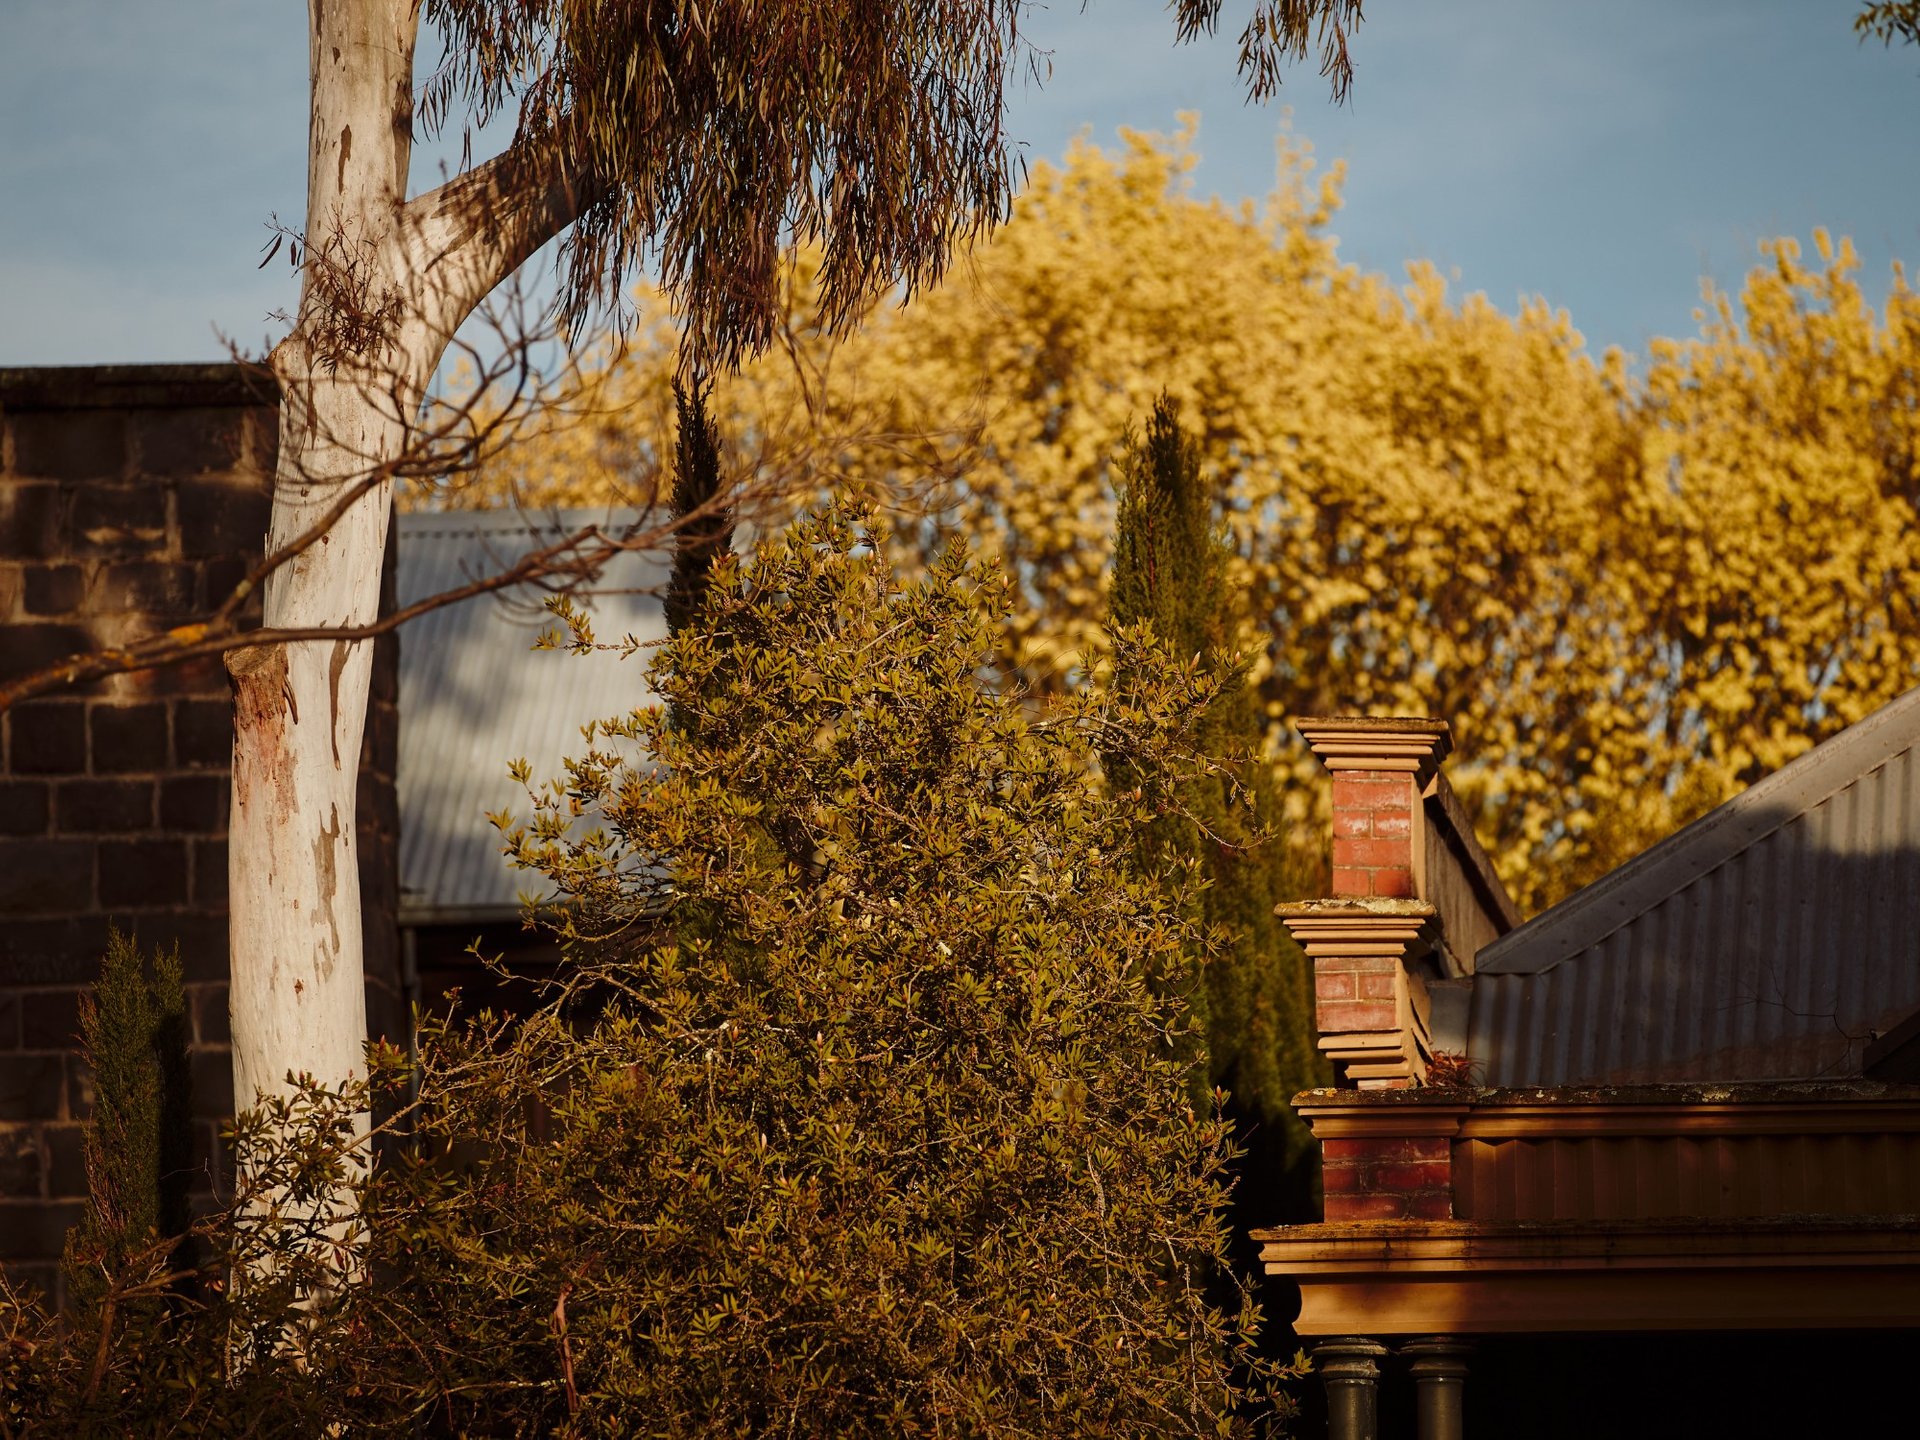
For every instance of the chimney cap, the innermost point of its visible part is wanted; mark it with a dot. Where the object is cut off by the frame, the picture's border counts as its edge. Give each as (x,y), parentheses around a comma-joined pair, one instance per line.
(1413,744)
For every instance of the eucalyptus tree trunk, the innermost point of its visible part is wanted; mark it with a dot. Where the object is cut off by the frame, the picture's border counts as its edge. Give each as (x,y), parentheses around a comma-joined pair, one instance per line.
(385,283)
(297,998)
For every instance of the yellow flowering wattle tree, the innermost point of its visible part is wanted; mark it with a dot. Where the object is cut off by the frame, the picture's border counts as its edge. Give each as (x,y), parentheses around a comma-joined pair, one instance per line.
(1632,588)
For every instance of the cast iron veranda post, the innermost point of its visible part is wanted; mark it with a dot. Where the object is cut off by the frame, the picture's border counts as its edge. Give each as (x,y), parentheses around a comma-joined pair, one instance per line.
(1349,1367)
(1439,1370)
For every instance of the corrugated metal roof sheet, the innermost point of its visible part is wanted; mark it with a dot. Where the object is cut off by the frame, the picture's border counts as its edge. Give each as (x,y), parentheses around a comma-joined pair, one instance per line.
(475,696)
(1769,940)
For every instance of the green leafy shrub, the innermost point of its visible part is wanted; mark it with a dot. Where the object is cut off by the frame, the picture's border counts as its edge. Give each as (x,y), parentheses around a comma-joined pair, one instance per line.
(862,1110)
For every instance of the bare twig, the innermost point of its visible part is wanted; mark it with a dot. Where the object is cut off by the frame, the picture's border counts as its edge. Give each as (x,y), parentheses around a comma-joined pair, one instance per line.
(566,1350)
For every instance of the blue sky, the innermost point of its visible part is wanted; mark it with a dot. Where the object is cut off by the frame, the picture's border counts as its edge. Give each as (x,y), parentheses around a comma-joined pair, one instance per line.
(1603,155)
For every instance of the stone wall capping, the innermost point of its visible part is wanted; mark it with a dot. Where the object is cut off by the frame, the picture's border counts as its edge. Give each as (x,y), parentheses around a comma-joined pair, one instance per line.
(137,387)
(1341,907)
(1388,725)
(1375,926)
(1344,1120)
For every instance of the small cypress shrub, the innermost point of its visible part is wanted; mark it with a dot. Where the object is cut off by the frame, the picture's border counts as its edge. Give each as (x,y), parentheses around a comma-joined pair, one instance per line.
(705,528)
(138,1143)
(157,1342)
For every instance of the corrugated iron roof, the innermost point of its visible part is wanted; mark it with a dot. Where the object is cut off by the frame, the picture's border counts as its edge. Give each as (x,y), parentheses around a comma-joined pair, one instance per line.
(475,696)
(1768,940)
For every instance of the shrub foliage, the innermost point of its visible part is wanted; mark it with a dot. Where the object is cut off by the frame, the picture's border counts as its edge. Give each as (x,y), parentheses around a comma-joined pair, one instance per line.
(157,1340)
(865,1106)
(138,1143)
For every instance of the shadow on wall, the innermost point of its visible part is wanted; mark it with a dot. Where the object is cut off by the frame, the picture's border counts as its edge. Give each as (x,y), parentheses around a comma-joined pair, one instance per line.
(1755,1386)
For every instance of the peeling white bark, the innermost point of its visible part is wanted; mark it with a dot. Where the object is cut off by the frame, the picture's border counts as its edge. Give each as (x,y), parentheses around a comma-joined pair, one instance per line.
(297,998)
(385,284)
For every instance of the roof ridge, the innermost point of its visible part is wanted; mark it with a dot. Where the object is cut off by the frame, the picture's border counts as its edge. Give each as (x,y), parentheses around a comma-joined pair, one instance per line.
(1591,914)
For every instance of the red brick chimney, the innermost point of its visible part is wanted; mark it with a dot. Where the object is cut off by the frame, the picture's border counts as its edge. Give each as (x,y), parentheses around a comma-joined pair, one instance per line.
(1380,769)
(1414,899)
(1371,1008)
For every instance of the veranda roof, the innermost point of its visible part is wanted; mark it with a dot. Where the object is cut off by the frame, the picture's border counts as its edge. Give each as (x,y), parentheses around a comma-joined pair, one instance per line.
(1770,940)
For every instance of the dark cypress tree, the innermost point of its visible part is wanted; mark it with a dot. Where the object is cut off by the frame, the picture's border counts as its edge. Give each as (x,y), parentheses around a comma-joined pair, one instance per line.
(706,531)
(138,1145)
(1256,1003)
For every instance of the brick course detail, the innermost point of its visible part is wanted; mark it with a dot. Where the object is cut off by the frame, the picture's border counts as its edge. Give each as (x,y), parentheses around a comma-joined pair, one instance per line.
(1396,1177)
(1373,834)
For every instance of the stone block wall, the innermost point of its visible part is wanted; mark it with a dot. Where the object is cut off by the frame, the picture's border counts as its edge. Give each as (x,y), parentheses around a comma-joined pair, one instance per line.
(132,499)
